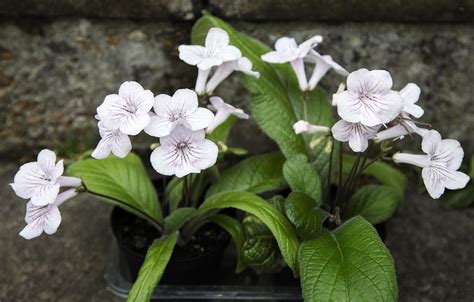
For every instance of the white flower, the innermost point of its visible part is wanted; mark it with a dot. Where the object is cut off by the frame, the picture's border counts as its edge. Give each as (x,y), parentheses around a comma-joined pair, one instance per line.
(41,180)
(368,98)
(440,164)
(410,95)
(404,127)
(111,141)
(305,127)
(356,134)
(286,50)
(216,50)
(223,111)
(222,72)
(127,110)
(179,109)
(45,218)
(183,152)
(323,64)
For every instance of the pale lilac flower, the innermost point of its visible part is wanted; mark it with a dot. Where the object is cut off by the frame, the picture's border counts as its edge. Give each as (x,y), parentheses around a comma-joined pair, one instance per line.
(305,127)
(46,218)
(286,50)
(112,140)
(127,110)
(184,152)
(41,180)
(222,72)
(322,66)
(410,95)
(369,98)
(179,109)
(440,163)
(223,111)
(216,50)
(356,134)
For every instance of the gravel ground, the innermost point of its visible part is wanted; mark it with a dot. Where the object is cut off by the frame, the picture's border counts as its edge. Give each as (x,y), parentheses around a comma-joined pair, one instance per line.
(432,247)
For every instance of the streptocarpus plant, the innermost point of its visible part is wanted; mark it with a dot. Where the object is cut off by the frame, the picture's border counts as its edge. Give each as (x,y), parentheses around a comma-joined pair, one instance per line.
(326,238)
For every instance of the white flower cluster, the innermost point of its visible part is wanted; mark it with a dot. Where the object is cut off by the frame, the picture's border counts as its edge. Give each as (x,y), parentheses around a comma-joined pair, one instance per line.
(177,120)
(287,51)
(369,104)
(41,182)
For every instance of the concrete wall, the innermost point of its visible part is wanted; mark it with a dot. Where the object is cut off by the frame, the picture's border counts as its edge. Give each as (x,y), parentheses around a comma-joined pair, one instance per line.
(58,59)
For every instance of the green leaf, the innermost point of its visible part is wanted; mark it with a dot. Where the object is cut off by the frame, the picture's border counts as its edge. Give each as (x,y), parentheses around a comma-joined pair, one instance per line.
(256,174)
(304,213)
(235,229)
(302,177)
(385,173)
(152,269)
(178,218)
(122,182)
(270,105)
(281,229)
(174,193)
(376,203)
(349,264)
(221,133)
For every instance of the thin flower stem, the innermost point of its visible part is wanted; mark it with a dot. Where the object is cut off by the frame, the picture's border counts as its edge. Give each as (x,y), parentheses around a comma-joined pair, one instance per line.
(330,171)
(305,105)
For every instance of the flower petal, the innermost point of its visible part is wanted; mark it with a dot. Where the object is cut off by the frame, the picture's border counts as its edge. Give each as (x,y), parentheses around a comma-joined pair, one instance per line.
(199,119)
(52,221)
(430,142)
(47,161)
(159,126)
(45,194)
(216,38)
(191,54)
(31,231)
(133,124)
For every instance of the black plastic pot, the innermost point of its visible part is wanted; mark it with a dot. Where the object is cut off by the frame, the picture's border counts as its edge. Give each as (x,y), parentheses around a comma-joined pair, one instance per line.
(134,235)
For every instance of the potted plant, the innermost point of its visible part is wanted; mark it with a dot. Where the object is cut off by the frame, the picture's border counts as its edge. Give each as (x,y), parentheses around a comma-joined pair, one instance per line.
(314,202)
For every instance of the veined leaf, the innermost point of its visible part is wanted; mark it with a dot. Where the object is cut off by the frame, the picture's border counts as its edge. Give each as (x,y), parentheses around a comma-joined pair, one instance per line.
(302,177)
(349,264)
(281,229)
(376,203)
(304,213)
(256,174)
(152,269)
(122,182)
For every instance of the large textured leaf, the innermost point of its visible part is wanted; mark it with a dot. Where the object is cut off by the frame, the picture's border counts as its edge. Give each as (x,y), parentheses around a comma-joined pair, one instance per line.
(385,173)
(302,176)
(120,181)
(376,203)
(349,264)
(280,227)
(178,218)
(235,229)
(260,249)
(256,174)
(152,269)
(305,215)
(270,105)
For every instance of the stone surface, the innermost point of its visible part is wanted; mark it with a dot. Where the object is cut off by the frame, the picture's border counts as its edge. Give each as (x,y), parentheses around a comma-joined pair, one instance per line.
(139,9)
(432,248)
(334,10)
(340,10)
(54,74)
